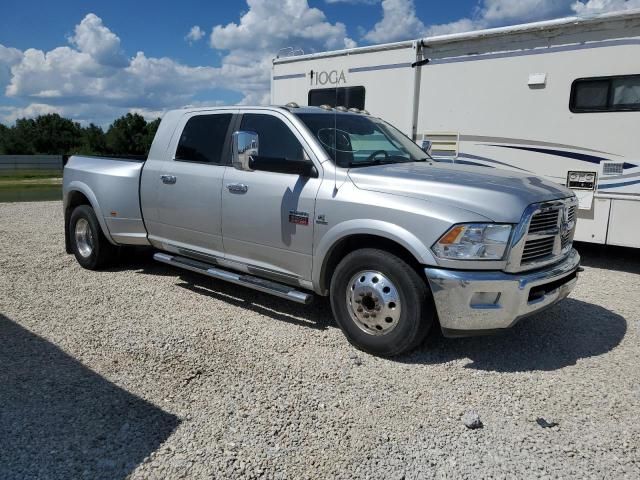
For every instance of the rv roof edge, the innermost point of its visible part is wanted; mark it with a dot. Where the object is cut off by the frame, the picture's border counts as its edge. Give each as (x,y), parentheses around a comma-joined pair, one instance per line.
(347,51)
(486,33)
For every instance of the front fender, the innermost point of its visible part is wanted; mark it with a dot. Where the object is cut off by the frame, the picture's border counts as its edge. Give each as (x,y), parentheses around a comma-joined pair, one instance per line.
(78,186)
(390,231)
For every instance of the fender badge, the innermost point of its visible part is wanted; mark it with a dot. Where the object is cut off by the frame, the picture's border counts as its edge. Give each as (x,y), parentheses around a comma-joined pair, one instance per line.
(322,219)
(298,218)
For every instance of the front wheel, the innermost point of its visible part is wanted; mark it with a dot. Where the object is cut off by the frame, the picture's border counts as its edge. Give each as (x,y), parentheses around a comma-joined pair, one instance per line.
(380,302)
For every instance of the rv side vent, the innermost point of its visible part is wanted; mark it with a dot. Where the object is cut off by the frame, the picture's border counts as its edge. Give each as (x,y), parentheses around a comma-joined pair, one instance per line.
(443,144)
(612,168)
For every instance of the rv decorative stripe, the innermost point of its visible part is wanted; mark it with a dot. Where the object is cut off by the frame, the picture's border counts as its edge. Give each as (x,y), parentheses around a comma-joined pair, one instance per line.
(538,51)
(575,155)
(616,185)
(490,160)
(379,67)
(292,75)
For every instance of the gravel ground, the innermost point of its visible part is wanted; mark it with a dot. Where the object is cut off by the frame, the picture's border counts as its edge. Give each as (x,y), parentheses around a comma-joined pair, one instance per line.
(148,372)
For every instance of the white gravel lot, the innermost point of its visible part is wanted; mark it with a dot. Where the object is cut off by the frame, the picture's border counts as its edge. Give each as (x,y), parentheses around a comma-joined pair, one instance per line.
(145,371)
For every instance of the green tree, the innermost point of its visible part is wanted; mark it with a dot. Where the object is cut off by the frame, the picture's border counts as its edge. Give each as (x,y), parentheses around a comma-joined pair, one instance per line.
(94,141)
(127,135)
(55,135)
(21,137)
(152,128)
(4,137)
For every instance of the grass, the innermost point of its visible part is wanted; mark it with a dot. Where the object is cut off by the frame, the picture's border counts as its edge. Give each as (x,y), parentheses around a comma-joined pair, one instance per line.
(17,175)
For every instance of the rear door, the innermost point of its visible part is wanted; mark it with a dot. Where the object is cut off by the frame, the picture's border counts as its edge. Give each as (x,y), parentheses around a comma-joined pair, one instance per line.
(190,185)
(267,217)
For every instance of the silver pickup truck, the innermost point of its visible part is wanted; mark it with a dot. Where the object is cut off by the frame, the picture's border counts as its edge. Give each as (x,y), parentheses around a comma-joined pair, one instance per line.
(296,201)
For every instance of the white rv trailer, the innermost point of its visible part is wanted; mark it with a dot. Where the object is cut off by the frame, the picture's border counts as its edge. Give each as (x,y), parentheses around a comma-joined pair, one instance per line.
(559,98)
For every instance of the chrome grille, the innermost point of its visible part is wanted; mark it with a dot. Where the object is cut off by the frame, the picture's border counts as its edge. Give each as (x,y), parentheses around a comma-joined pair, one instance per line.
(544,236)
(538,249)
(544,221)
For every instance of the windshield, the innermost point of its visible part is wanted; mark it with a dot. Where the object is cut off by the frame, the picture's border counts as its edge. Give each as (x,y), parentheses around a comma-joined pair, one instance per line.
(354,140)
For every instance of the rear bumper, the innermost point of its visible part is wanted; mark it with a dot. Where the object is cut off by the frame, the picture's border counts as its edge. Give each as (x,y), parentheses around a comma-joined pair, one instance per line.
(470,302)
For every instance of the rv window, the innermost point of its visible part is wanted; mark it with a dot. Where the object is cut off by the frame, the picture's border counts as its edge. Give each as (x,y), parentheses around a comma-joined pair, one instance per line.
(605,94)
(350,97)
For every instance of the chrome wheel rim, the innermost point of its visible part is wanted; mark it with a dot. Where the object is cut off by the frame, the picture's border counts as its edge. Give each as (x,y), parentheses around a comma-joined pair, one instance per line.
(84,237)
(373,302)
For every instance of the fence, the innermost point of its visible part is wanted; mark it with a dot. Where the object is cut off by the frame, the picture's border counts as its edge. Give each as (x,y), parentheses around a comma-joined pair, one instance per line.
(10,164)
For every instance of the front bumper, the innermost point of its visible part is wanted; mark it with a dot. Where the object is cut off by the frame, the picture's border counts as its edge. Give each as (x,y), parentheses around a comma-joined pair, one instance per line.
(470,302)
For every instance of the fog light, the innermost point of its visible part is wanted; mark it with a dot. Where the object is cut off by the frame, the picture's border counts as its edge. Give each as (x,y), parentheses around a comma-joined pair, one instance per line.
(485,300)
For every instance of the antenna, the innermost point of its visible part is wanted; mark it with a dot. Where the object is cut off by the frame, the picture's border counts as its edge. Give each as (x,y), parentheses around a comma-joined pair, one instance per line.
(335,140)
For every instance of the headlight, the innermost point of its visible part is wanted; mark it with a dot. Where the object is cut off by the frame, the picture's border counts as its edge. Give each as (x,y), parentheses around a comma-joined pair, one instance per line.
(474,241)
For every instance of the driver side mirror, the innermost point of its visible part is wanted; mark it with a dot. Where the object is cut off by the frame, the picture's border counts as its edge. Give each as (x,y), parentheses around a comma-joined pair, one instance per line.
(426,146)
(244,146)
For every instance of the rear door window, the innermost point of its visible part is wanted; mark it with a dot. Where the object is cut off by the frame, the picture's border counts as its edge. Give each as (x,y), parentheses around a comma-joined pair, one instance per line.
(203,138)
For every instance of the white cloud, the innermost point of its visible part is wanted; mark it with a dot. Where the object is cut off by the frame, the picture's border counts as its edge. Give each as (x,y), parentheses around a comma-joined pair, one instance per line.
(365,2)
(399,22)
(271,24)
(494,13)
(491,13)
(195,34)
(462,25)
(8,58)
(508,11)
(602,6)
(267,27)
(96,40)
(91,79)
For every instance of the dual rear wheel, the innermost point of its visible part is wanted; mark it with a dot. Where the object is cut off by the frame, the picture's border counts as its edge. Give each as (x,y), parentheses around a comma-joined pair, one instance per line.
(89,245)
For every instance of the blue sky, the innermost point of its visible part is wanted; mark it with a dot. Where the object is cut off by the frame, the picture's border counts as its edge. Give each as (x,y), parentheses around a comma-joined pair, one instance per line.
(95,60)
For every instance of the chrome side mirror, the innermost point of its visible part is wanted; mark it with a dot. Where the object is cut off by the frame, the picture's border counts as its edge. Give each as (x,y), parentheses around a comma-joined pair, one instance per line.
(244,145)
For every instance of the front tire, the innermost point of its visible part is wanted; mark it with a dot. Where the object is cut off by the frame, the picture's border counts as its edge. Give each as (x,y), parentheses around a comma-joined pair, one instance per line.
(380,302)
(89,245)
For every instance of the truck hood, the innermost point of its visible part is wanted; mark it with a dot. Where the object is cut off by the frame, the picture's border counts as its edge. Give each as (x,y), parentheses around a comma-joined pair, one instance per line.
(500,195)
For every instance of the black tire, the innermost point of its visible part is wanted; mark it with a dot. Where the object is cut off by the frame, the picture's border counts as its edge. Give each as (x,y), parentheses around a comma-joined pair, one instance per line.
(416,315)
(102,253)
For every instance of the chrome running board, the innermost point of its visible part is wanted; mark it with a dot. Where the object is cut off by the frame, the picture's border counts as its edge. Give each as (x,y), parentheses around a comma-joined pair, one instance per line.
(257,283)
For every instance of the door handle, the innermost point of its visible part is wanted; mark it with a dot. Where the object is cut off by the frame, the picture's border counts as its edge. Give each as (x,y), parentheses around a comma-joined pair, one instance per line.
(237,187)
(168,179)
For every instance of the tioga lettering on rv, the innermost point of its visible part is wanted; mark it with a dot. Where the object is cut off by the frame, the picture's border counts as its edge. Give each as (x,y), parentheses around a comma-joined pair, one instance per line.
(332,77)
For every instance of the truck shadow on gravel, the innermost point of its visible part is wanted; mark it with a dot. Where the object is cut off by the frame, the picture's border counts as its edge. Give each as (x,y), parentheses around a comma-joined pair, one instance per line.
(550,340)
(317,316)
(619,259)
(59,419)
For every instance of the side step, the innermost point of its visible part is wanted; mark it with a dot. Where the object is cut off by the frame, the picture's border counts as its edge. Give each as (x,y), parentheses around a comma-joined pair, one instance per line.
(266,286)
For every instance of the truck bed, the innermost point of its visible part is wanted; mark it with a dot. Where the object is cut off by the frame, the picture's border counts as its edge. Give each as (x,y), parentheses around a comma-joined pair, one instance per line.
(112,187)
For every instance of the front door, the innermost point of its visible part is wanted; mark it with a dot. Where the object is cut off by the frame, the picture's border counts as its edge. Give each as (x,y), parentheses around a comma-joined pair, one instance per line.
(189,195)
(268,218)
